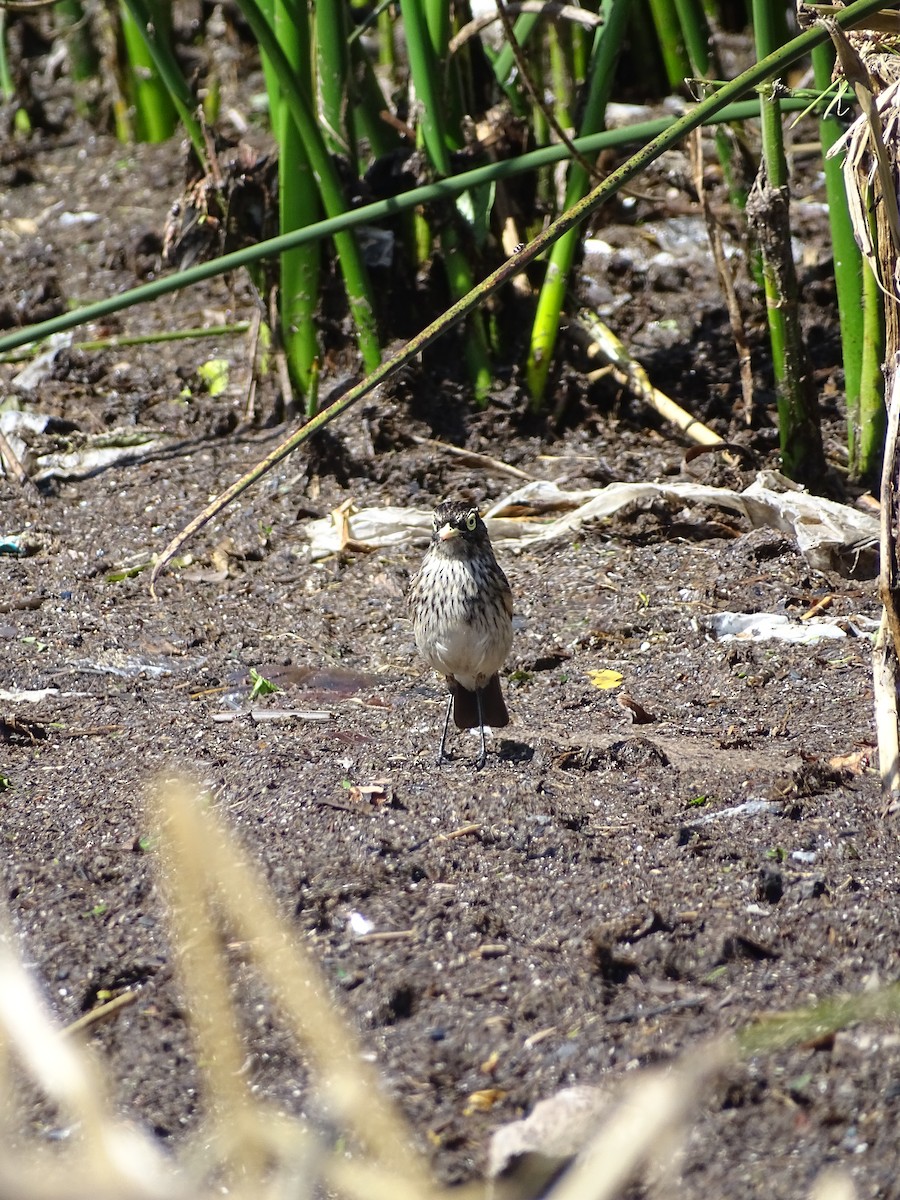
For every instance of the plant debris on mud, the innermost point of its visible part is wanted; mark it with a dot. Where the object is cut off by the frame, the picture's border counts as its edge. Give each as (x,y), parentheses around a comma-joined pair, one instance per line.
(629,874)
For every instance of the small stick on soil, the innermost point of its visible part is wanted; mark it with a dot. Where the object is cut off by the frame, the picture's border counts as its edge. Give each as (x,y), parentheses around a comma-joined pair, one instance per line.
(101,1013)
(819,607)
(289,401)
(490,950)
(463,831)
(349,808)
(21,603)
(253,342)
(886,651)
(387,935)
(15,468)
(632,374)
(661,1010)
(477,460)
(81,731)
(726,279)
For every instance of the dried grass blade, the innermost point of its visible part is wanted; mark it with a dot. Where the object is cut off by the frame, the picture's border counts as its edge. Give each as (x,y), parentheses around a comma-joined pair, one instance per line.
(199,847)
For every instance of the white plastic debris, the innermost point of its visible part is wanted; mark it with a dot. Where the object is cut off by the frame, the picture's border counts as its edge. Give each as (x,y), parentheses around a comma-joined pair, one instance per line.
(359,925)
(765,627)
(553,1133)
(69,219)
(34,373)
(30,695)
(747,808)
(827,533)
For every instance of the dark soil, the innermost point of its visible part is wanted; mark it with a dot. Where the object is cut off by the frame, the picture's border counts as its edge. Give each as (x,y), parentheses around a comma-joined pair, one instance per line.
(592,920)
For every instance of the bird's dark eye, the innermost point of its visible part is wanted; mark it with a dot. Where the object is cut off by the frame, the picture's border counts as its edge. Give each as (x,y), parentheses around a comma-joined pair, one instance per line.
(471,520)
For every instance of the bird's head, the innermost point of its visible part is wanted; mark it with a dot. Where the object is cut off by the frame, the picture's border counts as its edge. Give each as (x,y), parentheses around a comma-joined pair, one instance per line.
(456,523)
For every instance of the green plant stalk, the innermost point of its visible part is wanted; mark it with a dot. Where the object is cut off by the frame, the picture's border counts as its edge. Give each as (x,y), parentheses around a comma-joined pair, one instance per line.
(766,27)
(148,22)
(298,206)
(777,177)
(154,112)
(138,339)
(273,87)
(545,329)
(7,87)
(847,258)
(650,131)
(561,76)
(72,23)
(799,431)
(800,436)
(580,50)
(872,414)
(437,22)
(695,32)
(356,281)
(776,31)
(671,42)
(300,268)
(859,304)
(21,119)
(387,54)
(365,114)
(425,70)
(505,62)
(451,87)
(705,66)
(854,14)
(812,1024)
(333,72)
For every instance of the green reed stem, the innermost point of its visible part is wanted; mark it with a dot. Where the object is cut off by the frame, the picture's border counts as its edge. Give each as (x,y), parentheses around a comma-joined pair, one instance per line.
(671,42)
(73,26)
(298,204)
(860,305)
(366,111)
(356,281)
(505,62)
(159,87)
(545,328)
(848,260)
(768,212)
(21,119)
(425,68)
(333,70)
(695,32)
(649,132)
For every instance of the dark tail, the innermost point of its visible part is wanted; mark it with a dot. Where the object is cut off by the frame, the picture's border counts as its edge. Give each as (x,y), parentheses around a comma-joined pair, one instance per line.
(493,706)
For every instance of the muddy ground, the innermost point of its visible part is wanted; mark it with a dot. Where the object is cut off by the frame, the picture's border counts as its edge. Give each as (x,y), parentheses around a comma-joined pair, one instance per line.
(610,905)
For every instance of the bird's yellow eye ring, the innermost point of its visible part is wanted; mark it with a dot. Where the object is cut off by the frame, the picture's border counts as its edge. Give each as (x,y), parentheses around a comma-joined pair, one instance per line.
(471,520)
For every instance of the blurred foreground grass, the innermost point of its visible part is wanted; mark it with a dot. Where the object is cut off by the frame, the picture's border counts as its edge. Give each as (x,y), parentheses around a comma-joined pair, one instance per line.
(247,1148)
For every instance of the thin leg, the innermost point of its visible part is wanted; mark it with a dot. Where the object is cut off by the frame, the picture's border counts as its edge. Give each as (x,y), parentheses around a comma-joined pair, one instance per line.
(482,757)
(446,727)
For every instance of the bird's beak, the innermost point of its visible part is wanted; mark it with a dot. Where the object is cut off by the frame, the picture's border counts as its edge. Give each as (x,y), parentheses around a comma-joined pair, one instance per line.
(448,531)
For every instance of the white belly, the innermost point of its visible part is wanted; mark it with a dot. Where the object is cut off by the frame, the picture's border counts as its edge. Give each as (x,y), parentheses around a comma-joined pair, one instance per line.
(457,637)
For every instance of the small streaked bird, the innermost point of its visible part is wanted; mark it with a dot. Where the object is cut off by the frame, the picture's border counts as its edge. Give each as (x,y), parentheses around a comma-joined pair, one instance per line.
(462,617)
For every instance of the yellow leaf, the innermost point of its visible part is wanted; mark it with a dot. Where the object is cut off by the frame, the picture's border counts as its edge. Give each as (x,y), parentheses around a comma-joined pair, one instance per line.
(483,1101)
(214,374)
(605,680)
